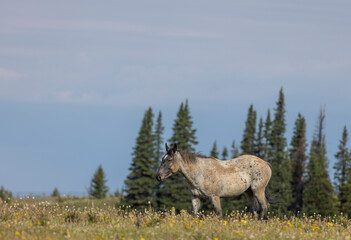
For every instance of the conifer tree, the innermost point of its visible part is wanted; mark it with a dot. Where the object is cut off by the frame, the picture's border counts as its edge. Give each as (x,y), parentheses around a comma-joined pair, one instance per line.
(214,153)
(259,144)
(235,150)
(140,184)
(224,153)
(158,132)
(98,188)
(159,151)
(342,174)
(298,159)
(5,195)
(280,183)
(318,195)
(267,134)
(55,193)
(175,191)
(248,142)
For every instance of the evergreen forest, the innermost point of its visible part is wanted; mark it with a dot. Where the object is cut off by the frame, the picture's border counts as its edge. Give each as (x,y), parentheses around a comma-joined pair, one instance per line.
(300,182)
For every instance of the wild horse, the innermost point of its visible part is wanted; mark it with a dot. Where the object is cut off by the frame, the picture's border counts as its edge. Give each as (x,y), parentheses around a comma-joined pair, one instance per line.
(215,179)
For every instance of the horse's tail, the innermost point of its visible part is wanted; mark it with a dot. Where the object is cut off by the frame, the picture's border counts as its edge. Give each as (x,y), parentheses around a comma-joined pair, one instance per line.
(269,198)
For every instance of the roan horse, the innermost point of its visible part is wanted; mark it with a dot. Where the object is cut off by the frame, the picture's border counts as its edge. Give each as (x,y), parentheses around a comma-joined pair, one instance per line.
(215,179)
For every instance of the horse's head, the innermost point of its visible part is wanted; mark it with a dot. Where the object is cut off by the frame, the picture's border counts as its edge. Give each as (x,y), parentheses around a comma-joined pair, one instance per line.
(169,164)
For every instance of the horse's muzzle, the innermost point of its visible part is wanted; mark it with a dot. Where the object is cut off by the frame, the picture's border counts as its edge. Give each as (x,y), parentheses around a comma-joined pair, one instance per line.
(159,178)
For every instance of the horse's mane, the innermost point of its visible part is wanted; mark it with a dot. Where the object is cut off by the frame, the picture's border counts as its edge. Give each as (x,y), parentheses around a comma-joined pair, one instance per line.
(190,157)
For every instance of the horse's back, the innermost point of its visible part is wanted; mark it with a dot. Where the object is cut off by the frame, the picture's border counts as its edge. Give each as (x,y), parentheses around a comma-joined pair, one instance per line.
(257,168)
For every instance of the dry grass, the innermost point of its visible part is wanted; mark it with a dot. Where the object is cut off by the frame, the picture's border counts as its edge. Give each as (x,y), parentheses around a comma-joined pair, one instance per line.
(100,219)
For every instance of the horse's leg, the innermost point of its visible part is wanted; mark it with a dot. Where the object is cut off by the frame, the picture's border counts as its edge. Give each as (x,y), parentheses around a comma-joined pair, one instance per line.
(253,202)
(261,197)
(195,201)
(216,201)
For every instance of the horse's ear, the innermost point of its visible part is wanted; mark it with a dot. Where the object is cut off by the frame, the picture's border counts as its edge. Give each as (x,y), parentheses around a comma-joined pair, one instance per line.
(174,147)
(167,148)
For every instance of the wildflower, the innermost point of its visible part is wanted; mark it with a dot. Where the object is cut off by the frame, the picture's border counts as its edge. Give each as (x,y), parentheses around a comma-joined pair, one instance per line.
(23,238)
(17,233)
(330,224)
(243,221)
(225,223)
(142,238)
(39,223)
(215,238)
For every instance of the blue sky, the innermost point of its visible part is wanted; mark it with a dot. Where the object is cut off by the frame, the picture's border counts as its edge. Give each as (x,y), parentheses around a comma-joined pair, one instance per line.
(76,78)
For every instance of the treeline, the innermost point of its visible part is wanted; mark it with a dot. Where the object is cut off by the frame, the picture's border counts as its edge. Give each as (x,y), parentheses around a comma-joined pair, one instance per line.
(300,180)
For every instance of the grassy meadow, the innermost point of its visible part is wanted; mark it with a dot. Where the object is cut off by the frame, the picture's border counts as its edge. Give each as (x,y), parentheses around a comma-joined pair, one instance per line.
(84,218)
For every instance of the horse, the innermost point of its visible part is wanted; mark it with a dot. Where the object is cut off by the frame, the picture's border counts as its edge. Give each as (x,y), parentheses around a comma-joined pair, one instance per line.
(211,178)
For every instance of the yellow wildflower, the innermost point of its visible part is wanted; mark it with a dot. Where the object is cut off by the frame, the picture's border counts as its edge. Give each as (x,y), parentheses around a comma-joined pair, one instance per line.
(330,224)
(39,223)
(17,233)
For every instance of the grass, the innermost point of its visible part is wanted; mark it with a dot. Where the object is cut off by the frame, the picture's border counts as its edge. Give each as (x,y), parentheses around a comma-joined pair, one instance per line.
(77,218)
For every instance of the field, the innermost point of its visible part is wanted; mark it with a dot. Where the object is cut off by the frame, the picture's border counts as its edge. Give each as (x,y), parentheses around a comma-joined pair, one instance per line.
(83,218)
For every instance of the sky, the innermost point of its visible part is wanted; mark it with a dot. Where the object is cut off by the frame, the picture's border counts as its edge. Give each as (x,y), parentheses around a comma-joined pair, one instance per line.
(77,76)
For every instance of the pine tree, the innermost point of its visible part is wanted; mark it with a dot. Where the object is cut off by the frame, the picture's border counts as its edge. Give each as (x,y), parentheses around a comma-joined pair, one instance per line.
(5,195)
(159,151)
(342,174)
(235,150)
(259,144)
(280,183)
(55,193)
(214,153)
(140,185)
(98,188)
(298,159)
(248,142)
(267,134)
(224,153)
(175,191)
(318,195)
(158,132)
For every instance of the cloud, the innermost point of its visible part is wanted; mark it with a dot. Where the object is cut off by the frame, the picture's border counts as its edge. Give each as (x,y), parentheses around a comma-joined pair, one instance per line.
(38,26)
(6,74)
